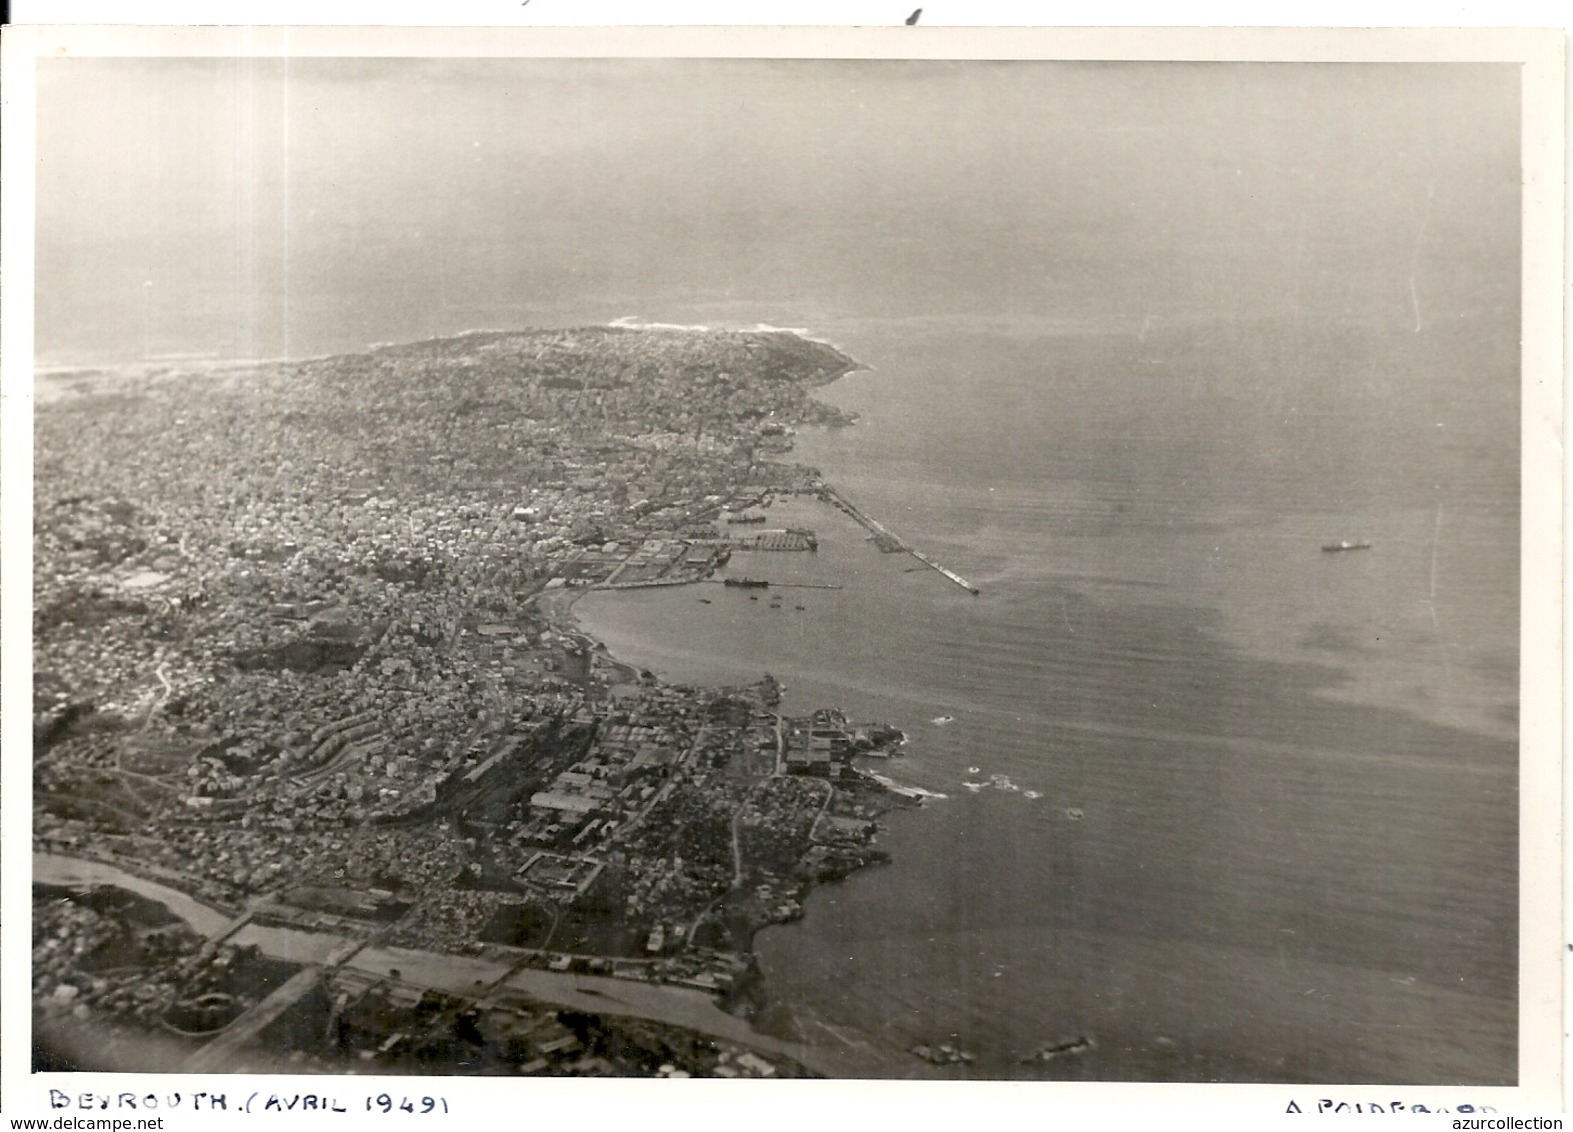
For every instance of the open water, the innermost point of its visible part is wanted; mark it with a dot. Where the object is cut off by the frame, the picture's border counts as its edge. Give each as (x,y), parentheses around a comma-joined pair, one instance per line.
(1273,835)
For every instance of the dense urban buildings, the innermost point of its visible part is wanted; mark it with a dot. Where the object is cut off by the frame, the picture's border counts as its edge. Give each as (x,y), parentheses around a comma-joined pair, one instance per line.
(303,653)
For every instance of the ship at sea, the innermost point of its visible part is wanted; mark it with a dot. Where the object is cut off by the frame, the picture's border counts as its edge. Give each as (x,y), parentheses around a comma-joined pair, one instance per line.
(746,583)
(1334,547)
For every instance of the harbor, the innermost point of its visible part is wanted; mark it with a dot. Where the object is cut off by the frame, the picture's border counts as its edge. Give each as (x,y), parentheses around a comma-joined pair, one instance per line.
(654,563)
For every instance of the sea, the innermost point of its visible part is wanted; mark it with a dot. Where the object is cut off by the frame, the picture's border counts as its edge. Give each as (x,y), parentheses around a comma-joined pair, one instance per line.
(1227,805)
(1206,802)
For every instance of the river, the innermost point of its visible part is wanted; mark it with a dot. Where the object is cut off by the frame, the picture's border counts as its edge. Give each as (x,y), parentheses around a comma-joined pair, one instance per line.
(460,975)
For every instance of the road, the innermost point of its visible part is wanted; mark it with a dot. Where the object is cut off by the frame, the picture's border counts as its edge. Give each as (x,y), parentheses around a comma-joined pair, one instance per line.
(737,847)
(666,788)
(830,793)
(153,707)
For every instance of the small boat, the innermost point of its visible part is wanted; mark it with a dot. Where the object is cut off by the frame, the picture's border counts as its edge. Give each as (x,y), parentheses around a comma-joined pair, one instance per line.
(1335,547)
(941,720)
(704,601)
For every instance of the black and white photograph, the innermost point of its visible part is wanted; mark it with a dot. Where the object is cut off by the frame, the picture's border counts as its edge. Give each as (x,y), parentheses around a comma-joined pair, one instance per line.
(910,562)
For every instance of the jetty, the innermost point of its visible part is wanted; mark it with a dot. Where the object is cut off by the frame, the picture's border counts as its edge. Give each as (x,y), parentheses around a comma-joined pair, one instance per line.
(886,540)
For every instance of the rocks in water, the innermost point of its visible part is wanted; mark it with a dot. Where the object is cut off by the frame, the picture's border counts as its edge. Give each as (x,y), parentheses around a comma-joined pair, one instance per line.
(1056,1050)
(943,1054)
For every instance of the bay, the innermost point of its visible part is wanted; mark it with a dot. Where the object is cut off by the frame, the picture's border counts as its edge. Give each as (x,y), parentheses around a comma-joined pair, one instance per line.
(1274,836)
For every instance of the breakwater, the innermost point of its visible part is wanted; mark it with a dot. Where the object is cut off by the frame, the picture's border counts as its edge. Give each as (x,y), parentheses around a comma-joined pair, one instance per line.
(951,574)
(885,539)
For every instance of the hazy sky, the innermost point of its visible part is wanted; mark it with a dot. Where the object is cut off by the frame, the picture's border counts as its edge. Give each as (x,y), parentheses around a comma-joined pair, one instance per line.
(268,206)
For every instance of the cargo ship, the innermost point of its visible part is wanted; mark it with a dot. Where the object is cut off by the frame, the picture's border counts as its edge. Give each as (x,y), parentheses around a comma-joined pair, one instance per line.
(1334,547)
(746,583)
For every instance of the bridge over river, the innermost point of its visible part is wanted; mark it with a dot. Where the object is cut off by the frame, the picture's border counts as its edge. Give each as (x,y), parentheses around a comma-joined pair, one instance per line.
(320,953)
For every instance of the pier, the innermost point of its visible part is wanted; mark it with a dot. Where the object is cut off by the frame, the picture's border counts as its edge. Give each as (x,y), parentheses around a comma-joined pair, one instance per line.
(647,583)
(887,541)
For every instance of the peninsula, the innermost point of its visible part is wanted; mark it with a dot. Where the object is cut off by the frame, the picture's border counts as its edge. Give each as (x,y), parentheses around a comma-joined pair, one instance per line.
(304,656)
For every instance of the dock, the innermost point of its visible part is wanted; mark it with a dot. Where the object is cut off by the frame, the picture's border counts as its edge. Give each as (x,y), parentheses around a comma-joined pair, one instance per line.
(887,541)
(646,584)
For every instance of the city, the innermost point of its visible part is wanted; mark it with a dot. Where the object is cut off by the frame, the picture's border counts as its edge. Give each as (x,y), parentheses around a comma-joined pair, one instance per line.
(304,653)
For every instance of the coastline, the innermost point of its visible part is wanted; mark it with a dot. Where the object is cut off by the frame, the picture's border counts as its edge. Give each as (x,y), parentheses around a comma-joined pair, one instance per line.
(774,1018)
(785,368)
(1102,755)
(557,607)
